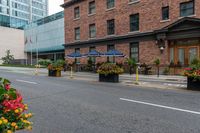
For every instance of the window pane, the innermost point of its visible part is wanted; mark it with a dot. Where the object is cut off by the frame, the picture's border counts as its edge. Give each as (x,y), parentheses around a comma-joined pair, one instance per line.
(76,12)
(134,51)
(111,59)
(92,7)
(165,13)
(110,4)
(181,56)
(187,8)
(171,55)
(111,27)
(77,60)
(77,33)
(92,31)
(192,54)
(134,22)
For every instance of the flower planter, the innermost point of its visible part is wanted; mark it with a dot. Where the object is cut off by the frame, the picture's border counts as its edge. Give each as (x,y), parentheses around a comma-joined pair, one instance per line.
(193,84)
(54,73)
(114,78)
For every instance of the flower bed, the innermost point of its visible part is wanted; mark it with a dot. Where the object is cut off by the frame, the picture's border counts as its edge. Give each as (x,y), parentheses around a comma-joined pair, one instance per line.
(193,75)
(109,72)
(55,68)
(12,109)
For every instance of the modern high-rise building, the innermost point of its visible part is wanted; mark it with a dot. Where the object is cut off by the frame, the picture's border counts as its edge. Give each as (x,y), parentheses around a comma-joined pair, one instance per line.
(17,13)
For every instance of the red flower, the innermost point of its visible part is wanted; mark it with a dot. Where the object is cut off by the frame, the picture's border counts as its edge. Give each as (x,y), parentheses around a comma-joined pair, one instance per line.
(13,104)
(188,69)
(7,87)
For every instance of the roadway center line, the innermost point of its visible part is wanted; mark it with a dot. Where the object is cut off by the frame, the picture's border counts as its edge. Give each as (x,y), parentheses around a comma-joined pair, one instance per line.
(161,106)
(24,81)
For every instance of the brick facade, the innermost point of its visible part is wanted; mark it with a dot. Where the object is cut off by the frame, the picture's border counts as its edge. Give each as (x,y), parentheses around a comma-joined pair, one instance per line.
(149,10)
(150,20)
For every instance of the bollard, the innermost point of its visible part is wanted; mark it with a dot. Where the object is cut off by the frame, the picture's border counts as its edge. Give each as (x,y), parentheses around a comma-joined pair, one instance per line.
(71,73)
(137,74)
(36,69)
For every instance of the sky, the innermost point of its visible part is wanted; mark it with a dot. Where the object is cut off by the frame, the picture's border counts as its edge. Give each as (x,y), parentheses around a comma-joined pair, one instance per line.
(54,6)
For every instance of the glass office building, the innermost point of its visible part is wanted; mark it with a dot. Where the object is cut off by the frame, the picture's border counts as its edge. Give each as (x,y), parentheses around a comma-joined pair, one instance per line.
(17,13)
(45,37)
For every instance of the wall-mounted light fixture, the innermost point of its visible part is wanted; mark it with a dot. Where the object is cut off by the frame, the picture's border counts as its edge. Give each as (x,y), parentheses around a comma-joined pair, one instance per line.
(161,45)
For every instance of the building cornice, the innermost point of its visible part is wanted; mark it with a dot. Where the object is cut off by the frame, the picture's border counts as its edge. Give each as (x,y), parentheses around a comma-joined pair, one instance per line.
(134,37)
(70,3)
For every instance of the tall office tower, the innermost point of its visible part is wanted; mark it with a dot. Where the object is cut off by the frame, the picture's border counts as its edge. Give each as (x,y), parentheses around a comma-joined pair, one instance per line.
(17,13)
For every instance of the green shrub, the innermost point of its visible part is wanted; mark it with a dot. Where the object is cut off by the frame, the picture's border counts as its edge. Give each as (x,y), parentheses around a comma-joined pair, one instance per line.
(44,62)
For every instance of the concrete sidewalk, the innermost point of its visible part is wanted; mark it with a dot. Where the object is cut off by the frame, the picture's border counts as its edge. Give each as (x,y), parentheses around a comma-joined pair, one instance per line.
(164,81)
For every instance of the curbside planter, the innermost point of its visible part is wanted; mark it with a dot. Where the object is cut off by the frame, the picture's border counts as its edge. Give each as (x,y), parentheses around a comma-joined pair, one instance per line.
(54,73)
(113,78)
(193,84)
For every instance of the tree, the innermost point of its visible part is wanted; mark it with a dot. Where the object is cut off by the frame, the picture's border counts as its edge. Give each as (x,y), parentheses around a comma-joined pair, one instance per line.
(157,63)
(8,57)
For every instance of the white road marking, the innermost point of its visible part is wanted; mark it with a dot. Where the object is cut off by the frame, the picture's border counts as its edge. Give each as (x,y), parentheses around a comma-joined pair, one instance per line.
(24,81)
(161,106)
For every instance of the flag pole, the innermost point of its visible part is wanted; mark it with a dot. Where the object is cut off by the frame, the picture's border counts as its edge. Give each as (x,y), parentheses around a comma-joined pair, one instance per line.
(37,48)
(31,55)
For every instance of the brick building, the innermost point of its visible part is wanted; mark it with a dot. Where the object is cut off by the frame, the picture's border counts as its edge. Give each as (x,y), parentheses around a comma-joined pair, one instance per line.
(141,29)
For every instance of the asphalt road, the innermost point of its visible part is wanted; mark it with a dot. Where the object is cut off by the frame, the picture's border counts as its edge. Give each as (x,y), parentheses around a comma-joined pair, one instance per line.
(72,106)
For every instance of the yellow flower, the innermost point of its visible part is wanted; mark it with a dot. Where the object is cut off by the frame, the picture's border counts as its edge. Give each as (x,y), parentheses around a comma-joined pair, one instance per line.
(30,114)
(5,121)
(16,127)
(26,115)
(9,131)
(29,128)
(1,122)
(26,107)
(16,111)
(20,109)
(13,124)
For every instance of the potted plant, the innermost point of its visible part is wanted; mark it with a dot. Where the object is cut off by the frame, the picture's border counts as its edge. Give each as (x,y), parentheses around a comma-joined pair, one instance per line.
(12,109)
(193,75)
(109,72)
(55,68)
(132,65)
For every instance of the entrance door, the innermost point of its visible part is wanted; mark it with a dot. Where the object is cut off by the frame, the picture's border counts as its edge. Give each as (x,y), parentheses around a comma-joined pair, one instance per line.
(187,54)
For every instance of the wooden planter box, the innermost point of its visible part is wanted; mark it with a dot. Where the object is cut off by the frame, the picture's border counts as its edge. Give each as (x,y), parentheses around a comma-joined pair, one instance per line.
(193,85)
(54,73)
(114,78)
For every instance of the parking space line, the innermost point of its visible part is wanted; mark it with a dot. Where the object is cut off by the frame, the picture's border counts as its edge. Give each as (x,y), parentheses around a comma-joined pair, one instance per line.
(161,106)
